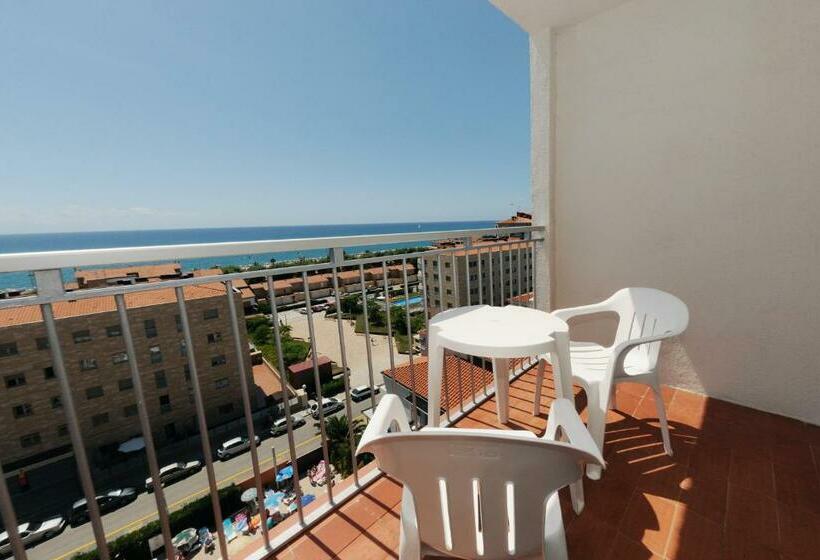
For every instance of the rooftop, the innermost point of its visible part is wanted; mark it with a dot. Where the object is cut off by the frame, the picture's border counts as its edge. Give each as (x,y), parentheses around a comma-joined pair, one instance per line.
(142,271)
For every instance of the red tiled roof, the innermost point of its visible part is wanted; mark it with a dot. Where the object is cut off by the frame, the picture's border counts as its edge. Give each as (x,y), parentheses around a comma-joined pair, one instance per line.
(308,364)
(90,306)
(472,377)
(144,271)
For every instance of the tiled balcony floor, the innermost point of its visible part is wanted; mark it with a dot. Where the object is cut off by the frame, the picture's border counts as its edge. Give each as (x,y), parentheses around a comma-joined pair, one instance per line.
(743,484)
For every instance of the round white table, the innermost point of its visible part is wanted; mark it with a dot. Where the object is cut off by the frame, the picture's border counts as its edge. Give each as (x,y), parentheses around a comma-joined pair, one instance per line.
(500,334)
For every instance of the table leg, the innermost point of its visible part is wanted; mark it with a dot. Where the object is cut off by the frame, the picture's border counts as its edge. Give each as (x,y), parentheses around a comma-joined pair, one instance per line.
(501,373)
(435,368)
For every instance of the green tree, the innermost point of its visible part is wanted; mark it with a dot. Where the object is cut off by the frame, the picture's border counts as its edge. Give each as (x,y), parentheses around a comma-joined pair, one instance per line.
(351,304)
(375,313)
(338,436)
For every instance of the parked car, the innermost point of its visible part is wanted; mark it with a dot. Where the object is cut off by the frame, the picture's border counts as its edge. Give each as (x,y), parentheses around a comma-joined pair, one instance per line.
(318,307)
(362,392)
(280,426)
(173,472)
(31,533)
(109,501)
(329,406)
(303,311)
(234,447)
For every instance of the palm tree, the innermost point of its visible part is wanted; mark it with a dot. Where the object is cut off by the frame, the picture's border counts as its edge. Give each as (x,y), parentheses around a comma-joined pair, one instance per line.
(338,437)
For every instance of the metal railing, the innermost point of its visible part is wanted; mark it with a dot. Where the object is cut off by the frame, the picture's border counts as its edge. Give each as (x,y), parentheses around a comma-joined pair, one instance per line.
(491,260)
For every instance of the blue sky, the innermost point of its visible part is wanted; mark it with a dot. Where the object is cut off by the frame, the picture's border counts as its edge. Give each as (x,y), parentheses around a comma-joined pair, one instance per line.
(144,115)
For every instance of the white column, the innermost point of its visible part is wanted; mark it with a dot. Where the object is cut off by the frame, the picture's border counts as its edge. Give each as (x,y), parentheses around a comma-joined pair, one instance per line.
(541,160)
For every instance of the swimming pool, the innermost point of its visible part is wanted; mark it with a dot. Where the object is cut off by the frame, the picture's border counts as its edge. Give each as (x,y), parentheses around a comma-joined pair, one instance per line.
(414,300)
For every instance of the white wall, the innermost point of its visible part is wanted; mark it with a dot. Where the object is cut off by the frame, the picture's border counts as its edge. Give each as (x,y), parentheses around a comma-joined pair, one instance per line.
(687,158)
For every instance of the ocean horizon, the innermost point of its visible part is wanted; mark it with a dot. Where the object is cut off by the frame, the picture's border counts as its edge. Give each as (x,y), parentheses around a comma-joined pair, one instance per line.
(36,242)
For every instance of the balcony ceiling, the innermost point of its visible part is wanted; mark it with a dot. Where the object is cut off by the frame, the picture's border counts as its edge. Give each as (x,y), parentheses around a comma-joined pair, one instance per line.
(536,15)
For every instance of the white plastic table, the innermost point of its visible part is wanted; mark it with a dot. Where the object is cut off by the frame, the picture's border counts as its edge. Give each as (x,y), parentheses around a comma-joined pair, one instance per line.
(497,333)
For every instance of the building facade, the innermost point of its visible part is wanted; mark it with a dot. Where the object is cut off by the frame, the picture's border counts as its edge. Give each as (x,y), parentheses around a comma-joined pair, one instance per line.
(98,370)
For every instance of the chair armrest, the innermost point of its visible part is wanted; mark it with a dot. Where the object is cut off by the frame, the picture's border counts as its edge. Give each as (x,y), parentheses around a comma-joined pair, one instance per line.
(389,411)
(563,415)
(569,312)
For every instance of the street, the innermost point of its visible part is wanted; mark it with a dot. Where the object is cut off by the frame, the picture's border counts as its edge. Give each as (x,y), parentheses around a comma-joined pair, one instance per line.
(143,510)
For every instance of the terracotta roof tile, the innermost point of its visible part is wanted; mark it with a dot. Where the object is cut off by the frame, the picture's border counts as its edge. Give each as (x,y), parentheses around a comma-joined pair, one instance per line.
(471,376)
(143,271)
(267,379)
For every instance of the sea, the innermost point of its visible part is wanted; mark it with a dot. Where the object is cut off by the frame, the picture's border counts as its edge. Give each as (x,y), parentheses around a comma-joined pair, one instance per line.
(24,243)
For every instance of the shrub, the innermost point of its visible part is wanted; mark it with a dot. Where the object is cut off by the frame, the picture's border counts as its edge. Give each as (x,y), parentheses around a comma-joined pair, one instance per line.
(333,387)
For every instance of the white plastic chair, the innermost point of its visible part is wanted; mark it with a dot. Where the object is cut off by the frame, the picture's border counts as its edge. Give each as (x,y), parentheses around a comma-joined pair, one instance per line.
(645,317)
(486,494)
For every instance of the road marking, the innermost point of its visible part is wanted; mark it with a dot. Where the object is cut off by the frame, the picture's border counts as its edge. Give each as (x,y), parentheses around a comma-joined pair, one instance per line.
(150,517)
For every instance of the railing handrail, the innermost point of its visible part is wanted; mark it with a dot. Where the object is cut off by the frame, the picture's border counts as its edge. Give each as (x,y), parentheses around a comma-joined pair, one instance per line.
(46,260)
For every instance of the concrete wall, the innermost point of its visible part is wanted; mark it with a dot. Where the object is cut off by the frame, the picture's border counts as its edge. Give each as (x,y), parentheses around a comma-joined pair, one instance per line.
(687,158)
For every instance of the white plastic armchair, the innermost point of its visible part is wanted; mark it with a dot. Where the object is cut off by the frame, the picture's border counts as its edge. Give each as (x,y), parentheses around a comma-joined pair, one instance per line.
(486,494)
(645,318)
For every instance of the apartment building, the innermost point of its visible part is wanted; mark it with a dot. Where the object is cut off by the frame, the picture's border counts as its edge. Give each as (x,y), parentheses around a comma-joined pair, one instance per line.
(494,272)
(97,365)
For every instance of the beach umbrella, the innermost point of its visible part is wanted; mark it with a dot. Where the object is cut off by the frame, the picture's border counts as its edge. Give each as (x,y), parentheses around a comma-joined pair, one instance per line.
(273,499)
(185,538)
(285,474)
(248,495)
(132,445)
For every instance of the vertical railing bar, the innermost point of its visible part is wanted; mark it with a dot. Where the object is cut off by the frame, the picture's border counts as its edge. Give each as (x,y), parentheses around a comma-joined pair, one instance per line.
(283,372)
(409,339)
(389,321)
(201,420)
(74,431)
(445,379)
(424,294)
(510,270)
(246,405)
(317,380)
(145,424)
(440,283)
(481,302)
(457,295)
(518,259)
(490,273)
(10,519)
(534,279)
(467,248)
(368,344)
(337,256)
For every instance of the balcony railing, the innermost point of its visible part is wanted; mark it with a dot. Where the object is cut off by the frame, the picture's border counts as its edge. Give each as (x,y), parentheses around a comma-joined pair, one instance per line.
(497,272)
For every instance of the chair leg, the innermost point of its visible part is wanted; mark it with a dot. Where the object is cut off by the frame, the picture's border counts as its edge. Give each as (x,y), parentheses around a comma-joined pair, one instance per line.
(409,543)
(501,373)
(667,443)
(596,424)
(576,493)
(434,374)
(539,380)
(555,541)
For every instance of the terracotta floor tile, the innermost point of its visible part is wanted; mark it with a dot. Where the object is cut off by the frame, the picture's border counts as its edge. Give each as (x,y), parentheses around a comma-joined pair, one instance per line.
(589,537)
(694,536)
(752,516)
(705,495)
(607,500)
(625,548)
(797,488)
(800,532)
(797,455)
(648,520)
(710,460)
(752,473)
(738,547)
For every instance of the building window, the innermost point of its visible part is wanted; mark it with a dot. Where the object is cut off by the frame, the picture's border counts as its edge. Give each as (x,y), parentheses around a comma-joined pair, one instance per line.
(446,277)
(99,419)
(438,302)
(8,349)
(449,292)
(125,384)
(130,410)
(179,323)
(221,383)
(150,328)
(449,306)
(183,348)
(156,355)
(161,380)
(62,430)
(22,410)
(88,364)
(446,264)
(15,380)
(119,357)
(42,343)
(94,392)
(82,336)
(164,404)
(435,276)
(214,337)
(29,440)
(113,330)
(226,408)
(56,402)
(210,314)
(48,372)
(220,360)
(187,370)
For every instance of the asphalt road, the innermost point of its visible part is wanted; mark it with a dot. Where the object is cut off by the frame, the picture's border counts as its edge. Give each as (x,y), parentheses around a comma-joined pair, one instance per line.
(143,510)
